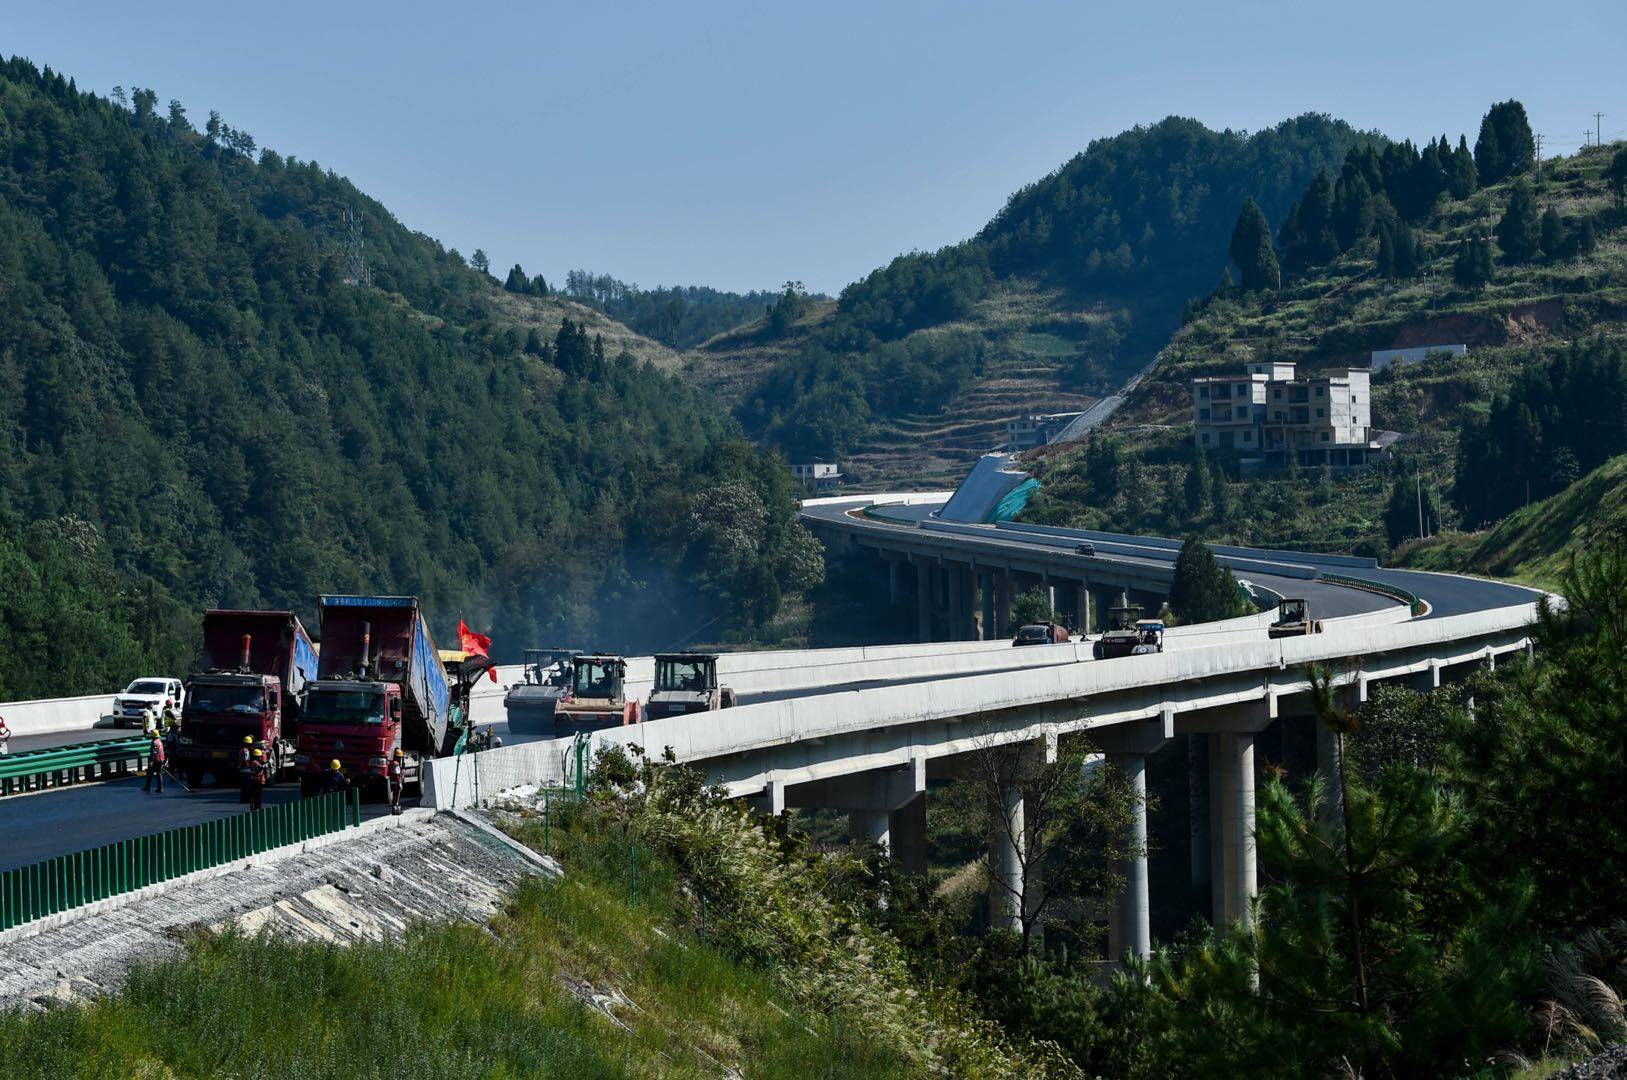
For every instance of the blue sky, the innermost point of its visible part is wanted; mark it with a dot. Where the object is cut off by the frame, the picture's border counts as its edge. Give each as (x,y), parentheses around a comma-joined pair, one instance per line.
(739,145)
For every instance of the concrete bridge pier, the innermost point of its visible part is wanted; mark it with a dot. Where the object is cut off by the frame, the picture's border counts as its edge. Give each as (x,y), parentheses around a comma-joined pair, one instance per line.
(1231,730)
(923,599)
(1006,854)
(886,806)
(1129,928)
(895,582)
(1002,604)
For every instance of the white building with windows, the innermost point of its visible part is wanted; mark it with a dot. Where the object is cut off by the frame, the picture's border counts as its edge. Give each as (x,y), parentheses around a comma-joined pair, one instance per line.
(1271,412)
(819,475)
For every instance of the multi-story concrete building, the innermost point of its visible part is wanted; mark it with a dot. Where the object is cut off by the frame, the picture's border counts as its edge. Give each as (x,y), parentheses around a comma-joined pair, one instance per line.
(1027,432)
(1268,410)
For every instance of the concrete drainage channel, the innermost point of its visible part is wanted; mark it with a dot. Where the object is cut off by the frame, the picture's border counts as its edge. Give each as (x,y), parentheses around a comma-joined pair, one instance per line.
(365,883)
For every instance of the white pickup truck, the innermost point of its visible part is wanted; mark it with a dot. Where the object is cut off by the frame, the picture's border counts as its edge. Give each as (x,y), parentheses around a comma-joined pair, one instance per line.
(131,704)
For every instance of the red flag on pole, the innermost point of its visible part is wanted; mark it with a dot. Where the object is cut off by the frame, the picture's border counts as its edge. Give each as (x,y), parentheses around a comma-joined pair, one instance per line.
(475,644)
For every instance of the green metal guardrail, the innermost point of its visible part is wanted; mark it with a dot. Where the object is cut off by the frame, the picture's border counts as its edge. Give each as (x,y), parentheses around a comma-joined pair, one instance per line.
(1414,601)
(84,877)
(55,766)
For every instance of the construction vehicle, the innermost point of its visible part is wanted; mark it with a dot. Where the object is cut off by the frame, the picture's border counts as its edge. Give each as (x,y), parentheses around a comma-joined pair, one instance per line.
(686,683)
(1123,637)
(596,697)
(380,687)
(463,671)
(530,703)
(255,668)
(1294,619)
(1041,633)
(1151,633)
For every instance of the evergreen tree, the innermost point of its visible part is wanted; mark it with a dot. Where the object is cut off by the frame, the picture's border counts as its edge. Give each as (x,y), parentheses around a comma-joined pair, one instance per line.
(1519,231)
(480,262)
(1290,241)
(1321,246)
(1465,177)
(1195,490)
(1353,210)
(1472,266)
(1221,491)
(1251,249)
(1203,590)
(517,282)
(1406,251)
(1384,263)
(1584,239)
(1505,146)
(1552,234)
(1616,176)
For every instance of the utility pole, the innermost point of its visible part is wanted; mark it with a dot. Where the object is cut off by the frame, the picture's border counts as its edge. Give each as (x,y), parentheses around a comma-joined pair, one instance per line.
(1418,488)
(1539,159)
(1598,129)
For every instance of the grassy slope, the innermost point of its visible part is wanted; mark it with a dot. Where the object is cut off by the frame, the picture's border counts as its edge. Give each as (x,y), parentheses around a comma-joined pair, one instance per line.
(1337,314)
(1535,544)
(544,314)
(514,999)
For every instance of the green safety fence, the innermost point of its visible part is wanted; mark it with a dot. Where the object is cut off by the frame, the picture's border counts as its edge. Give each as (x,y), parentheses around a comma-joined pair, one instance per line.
(83,877)
(32,770)
(1414,602)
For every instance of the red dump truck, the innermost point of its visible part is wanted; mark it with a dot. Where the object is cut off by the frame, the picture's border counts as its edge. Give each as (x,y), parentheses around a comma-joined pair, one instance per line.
(254,671)
(380,685)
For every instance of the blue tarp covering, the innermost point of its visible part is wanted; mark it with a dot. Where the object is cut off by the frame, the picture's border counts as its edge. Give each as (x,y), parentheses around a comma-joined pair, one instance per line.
(993,491)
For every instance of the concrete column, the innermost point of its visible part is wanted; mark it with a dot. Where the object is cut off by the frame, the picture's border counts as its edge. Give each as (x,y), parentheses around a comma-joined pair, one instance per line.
(906,828)
(923,600)
(1217,847)
(1238,823)
(1006,859)
(986,587)
(872,825)
(1130,931)
(1002,605)
(1197,808)
(895,582)
(955,578)
(1082,604)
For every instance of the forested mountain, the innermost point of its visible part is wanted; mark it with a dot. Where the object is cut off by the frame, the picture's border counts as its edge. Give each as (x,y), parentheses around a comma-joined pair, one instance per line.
(679,316)
(1083,274)
(235,379)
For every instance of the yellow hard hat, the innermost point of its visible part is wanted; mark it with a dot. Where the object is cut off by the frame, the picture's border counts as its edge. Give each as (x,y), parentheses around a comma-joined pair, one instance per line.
(398,752)
(248,740)
(259,753)
(334,764)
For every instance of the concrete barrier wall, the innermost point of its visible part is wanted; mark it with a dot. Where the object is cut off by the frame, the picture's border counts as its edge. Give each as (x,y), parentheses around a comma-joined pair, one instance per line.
(49,716)
(1181,679)
(1163,543)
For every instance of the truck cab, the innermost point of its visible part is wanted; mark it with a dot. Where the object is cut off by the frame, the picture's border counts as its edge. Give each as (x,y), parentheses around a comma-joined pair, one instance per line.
(597,697)
(687,683)
(223,708)
(1293,619)
(356,722)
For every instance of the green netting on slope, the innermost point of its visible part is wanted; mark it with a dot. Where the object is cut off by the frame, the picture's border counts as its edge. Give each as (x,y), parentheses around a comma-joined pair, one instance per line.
(1011,504)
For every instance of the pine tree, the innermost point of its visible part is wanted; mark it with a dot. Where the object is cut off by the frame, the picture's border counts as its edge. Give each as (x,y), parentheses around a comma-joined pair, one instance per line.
(1505,146)
(1465,178)
(1406,251)
(1203,590)
(1289,238)
(1196,488)
(1584,240)
(480,262)
(1384,263)
(1353,210)
(1519,231)
(1221,490)
(1251,249)
(1472,267)
(1616,177)
(517,282)
(1552,234)
(1316,222)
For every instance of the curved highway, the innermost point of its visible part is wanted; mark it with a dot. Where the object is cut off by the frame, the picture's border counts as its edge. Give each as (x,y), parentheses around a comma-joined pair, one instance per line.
(884,517)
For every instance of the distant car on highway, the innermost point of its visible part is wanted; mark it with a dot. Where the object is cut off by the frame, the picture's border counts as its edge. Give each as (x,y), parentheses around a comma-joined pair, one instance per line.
(131,705)
(1085,548)
(1045,633)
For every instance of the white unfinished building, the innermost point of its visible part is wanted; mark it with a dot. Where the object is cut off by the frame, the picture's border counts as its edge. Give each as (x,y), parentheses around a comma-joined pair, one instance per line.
(1271,412)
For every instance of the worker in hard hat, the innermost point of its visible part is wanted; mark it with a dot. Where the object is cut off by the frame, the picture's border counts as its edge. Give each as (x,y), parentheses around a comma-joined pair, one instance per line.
(395,773)
(245,753)
(260,776)
(335,780)
(157,758)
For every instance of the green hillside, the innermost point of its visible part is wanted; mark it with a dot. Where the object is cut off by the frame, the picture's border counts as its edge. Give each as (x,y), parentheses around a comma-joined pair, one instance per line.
(1534,404)
(228,377)
(1537,543)
(1072,286)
